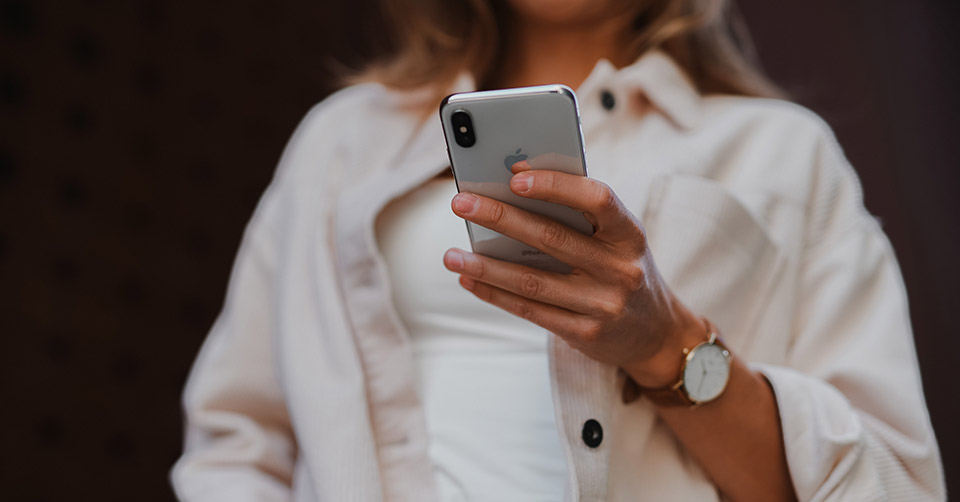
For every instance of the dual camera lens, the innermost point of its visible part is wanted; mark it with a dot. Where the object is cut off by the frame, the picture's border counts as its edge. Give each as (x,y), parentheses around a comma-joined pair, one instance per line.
(463,129)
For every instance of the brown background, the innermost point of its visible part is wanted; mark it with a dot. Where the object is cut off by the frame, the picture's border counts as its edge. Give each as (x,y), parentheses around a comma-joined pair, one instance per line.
(136,137)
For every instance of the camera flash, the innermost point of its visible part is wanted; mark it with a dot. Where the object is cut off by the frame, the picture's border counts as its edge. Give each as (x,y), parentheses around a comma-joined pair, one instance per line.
(463,129)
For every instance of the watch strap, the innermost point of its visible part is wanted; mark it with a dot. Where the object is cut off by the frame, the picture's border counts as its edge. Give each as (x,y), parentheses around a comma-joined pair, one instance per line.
(669,396)
(674,394)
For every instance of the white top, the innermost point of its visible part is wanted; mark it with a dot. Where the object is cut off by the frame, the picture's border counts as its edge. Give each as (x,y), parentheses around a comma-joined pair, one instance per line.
(307,386)
(483,375)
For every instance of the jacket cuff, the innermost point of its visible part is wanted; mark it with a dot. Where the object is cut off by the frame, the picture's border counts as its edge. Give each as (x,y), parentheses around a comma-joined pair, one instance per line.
(823,437)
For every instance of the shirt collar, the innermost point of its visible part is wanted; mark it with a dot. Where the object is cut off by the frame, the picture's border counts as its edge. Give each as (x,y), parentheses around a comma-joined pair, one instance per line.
(656,76)
(653,74)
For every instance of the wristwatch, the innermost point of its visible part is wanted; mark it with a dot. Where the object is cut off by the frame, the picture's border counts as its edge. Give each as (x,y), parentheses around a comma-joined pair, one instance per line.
(704,372)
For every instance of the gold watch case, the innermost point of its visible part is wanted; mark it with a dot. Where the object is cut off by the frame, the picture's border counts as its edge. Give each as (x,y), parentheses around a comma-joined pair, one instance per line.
(714,360)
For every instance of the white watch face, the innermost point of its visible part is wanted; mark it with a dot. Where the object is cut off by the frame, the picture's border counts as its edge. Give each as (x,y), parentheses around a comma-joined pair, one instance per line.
(706,373)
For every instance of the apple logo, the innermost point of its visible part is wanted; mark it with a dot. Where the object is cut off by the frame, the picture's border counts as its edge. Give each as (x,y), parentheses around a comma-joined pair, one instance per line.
(513,159)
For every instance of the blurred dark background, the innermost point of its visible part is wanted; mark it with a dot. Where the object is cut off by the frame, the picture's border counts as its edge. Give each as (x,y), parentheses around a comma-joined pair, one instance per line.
(137,136)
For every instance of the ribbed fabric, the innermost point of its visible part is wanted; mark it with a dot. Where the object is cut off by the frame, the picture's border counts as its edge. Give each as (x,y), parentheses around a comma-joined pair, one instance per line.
(584,389)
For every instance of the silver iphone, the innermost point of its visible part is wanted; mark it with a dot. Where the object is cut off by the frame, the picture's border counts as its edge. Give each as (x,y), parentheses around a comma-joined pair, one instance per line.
(488,131)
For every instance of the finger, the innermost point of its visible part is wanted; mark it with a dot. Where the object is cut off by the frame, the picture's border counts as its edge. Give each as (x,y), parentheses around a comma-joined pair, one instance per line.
(551,160)
(590,196)
(520,167)
(545,234)
(560,321)
(524,166)
(540,285)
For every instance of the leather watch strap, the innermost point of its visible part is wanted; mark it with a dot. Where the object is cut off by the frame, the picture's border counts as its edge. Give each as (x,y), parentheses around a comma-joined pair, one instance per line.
(672,395)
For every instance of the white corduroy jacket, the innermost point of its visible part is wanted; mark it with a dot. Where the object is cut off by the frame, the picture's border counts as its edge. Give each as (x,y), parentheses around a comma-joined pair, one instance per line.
(305,388)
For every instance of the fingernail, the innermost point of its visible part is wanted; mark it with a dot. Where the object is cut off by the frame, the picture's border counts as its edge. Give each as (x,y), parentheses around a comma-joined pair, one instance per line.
(467,283)
(453,260)
(465,203)
(521,182)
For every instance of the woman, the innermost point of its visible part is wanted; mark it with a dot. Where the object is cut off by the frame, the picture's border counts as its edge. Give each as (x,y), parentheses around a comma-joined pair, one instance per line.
(347,364)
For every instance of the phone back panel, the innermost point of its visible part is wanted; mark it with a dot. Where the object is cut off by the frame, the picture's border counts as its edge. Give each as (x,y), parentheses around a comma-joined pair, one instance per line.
(541,123)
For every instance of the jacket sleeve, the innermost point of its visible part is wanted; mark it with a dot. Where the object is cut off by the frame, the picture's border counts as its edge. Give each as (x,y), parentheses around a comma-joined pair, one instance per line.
(239,445)
(855,425)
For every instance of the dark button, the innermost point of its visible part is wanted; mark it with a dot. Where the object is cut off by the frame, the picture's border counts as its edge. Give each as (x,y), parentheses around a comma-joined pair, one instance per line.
(592,433)
(607,100)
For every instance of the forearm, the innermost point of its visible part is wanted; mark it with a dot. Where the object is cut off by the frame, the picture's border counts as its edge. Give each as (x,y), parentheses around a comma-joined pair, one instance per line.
(736,438)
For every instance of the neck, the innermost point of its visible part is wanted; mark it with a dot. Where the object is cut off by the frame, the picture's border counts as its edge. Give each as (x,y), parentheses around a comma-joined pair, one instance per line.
(542,53)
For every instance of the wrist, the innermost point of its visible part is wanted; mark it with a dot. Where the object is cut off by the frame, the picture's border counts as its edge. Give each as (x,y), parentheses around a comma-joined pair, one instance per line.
(662,369)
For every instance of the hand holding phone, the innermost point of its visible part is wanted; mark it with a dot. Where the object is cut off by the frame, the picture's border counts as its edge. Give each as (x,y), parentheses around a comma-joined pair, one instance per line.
(616,308)
(487,132)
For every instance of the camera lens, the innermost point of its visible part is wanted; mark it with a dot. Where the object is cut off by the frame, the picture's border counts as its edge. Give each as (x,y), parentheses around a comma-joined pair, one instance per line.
(463,129)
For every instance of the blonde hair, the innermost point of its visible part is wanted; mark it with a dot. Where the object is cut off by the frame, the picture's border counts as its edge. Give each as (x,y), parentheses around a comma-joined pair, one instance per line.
(435,40)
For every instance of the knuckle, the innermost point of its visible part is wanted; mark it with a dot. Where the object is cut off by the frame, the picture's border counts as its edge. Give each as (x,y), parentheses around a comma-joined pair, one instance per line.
(634,277)
(605,199)
(549,181)
(476,268)
(612,307)
(639,241)
(497,213)
(530,285)
(591,331)
(554,235)
(524,311)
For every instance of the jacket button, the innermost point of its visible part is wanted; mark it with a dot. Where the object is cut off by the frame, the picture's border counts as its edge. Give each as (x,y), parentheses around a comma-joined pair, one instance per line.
(607,100)
(592,433)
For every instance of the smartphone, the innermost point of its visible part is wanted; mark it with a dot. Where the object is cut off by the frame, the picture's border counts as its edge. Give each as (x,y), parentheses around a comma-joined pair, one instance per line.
(488,131)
